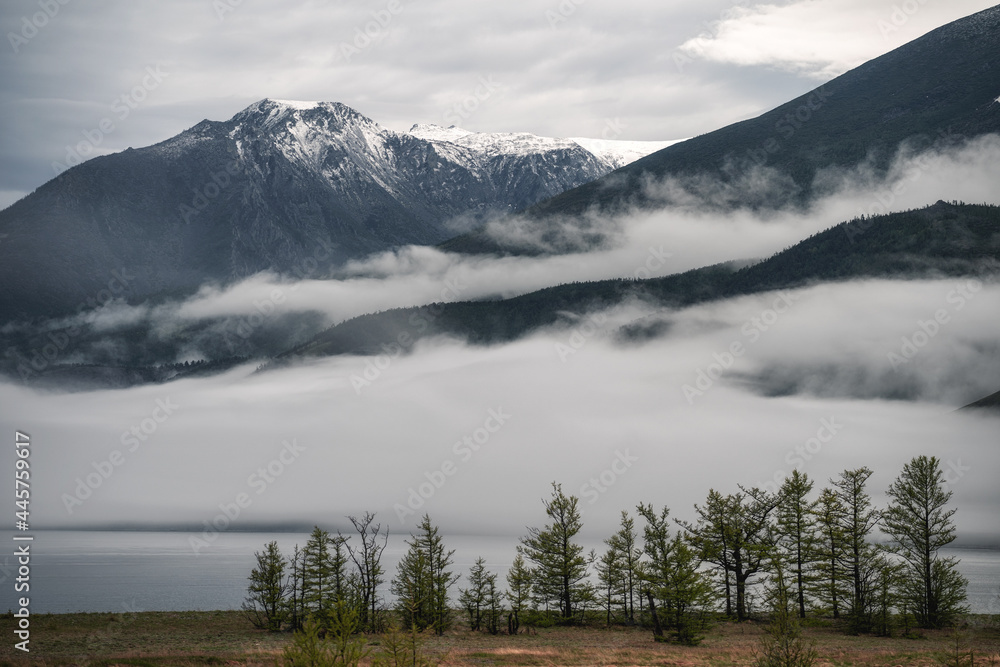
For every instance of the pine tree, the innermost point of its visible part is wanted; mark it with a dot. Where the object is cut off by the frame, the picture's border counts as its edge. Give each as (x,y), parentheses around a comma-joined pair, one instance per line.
(796,534)
(266,605)
(733,532)
(494,606)
(423,579)
(919,525)
(715,536)
(476,598)
(610,574)
(296,605)
(782,644)
(400,649)
(519,581)
(560,565)
(830,552)
(860,518)
(688,593)
(624,541)
(671,576)
(309,648)
(324,576)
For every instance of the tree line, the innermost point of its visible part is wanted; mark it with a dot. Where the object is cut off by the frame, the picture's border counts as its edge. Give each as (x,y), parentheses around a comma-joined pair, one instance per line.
(788,554)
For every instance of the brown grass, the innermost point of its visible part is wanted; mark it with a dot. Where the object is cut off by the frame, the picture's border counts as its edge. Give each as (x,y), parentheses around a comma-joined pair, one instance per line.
(188,639)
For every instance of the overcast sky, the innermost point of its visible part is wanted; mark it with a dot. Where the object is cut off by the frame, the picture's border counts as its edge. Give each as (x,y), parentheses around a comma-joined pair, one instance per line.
(633,68)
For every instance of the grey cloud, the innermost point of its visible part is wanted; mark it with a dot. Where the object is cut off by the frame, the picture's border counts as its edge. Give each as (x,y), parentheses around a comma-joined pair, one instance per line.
(604,61)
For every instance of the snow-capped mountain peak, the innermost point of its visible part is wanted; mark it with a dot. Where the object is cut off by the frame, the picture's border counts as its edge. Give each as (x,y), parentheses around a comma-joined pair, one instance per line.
(298,104)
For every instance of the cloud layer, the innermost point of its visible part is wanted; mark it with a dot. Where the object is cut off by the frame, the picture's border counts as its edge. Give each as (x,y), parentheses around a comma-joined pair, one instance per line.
(475,435)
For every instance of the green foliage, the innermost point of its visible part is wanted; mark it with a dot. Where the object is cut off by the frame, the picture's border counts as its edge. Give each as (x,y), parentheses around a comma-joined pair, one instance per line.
(919,525)
(296,603)
(671,574)
(481,600)
(519,582)
(610,573)
(422,581)
(560,572)
(733,532)
(401,649)
(342,623)
(324,575)
(959,654)
(860,556)
(265,605)
(624,543)
(796,537)
(782,645)
(309,648)
(830,584)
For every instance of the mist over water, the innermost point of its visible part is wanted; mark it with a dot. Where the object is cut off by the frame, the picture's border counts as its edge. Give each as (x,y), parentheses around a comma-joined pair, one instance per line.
(479,433)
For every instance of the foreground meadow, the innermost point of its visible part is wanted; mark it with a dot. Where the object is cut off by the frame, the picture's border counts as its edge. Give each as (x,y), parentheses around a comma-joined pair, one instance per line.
(226,638)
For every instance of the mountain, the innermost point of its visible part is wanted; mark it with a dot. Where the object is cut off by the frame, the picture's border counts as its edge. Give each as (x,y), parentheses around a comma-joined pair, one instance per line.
(940,240)
(291,187)
(991,402)
(934,91)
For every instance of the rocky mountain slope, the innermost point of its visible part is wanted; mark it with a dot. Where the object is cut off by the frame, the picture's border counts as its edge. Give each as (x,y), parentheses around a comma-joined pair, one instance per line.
(291,187)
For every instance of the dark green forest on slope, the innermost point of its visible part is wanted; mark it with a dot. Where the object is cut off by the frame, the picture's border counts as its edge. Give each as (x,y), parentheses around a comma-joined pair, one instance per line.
(943,240)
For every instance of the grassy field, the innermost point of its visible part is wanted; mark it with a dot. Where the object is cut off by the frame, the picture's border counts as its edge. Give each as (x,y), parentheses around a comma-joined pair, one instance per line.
(226,638)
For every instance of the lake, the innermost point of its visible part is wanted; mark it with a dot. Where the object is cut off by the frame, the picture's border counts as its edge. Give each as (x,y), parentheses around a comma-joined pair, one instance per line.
(158,571)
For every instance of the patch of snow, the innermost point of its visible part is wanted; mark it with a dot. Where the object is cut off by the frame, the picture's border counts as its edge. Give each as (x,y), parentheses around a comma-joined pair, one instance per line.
(613,153)
(297,104)
(431,132)
(620,153)
(490,143)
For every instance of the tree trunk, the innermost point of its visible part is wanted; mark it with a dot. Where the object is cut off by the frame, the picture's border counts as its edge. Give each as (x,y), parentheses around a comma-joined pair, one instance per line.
(657,628)
(741,606)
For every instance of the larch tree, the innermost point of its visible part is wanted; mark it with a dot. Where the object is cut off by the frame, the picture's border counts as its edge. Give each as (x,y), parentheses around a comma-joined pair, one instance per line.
(519,584)
(324,573)
(625,542)
(367,557)
(423,580)
(859,519)
(480,599)
(829,586)
(266,604)
(560,566)
(734,533)
(716,526)
(672,578)
(610,575)
(919,524)
(796,535)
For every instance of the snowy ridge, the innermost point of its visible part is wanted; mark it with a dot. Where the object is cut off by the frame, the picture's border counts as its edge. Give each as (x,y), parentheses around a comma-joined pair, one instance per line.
(621,153)
(613,153)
